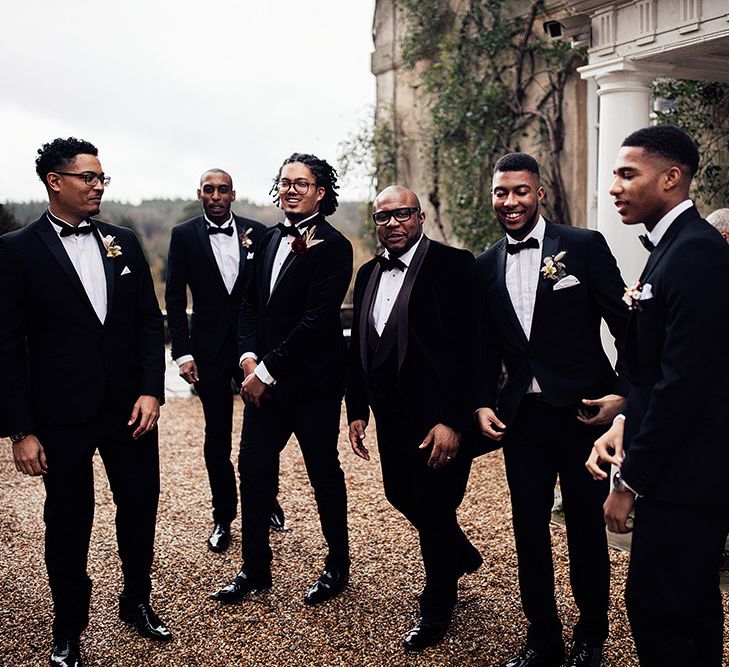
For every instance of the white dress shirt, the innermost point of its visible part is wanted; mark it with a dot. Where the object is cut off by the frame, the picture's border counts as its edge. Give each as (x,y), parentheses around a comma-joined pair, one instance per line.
(85,254)
(522,279)
(284,248)
(226,250)
(390,285)
(656,234)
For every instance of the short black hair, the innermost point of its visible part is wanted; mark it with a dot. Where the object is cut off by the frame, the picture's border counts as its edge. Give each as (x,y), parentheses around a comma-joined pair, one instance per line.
(517,162)
(669,142)
(59,154)
(215,170)
(325,175)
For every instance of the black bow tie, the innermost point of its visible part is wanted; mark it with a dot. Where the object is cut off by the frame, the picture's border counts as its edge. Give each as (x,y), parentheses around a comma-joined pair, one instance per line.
(390,263)
(214,229)
(513,248)
(289,230)
(647,243)
(68,230)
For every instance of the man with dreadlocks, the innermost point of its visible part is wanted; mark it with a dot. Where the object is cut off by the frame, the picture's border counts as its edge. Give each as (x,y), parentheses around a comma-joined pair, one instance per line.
(293,358)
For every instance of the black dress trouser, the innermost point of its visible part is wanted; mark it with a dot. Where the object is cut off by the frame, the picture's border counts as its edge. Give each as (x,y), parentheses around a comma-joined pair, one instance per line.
(266,430)
(672,594)
(132,467)
(543,443)
(428,497)
(217,398)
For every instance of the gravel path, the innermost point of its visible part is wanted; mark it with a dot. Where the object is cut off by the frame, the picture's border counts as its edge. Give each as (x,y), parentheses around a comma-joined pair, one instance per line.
(363,626)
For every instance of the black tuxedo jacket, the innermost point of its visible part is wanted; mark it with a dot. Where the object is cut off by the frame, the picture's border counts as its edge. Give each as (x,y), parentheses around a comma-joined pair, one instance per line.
(191,263)
(58,359)
(677,415)
(296,329)
(564,350)
(435,319)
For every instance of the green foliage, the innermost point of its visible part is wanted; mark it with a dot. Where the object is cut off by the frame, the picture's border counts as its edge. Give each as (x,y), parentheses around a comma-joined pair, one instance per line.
(493,82)
(699,108)
(7,220)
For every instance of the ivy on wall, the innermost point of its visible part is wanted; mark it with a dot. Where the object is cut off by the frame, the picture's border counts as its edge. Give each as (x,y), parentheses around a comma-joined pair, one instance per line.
(493,81)
(700,109)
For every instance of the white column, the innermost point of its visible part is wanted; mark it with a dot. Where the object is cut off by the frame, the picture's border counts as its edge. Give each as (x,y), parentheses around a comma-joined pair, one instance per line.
(624,106)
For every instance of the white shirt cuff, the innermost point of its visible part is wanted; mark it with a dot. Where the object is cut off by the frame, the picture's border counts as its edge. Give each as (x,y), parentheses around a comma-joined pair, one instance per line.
(183,359)
(263,374)
(247,355)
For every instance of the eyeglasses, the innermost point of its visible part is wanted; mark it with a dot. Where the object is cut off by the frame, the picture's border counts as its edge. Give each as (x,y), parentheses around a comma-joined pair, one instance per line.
(400,214)
(301,186)
(89,177)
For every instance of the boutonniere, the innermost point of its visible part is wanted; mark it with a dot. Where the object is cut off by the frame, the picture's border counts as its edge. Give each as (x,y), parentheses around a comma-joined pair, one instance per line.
(110,245)
(245,240)
(554,268)
(632,296)
(301,244)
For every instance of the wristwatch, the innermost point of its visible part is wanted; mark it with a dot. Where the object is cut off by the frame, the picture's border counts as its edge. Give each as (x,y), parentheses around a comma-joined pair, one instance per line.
(15,439)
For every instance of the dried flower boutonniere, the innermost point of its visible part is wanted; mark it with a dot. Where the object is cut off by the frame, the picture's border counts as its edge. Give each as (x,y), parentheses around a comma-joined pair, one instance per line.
(110,245)
(632,296)
(245,240)
(554,268)
(301,244)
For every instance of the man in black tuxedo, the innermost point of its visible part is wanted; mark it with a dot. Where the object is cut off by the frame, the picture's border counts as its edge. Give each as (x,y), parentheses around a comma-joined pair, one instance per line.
(212,255)
(293,358)
(411,362)
(82,353)
(545,289)
(675,429)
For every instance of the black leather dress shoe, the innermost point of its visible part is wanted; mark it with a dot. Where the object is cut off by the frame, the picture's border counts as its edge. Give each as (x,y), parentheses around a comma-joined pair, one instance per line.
(65,653)
(471,563)
(277,520)
(238,589)
(219,539)
(425,633)
(585,655)
(145,621)
(331,582)
(531,658)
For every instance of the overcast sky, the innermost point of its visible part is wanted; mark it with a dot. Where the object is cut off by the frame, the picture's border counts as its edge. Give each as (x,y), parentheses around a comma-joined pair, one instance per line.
(168,88)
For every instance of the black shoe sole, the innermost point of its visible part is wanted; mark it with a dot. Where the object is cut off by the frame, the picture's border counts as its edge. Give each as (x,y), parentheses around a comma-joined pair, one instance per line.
(142,631)
(242,597)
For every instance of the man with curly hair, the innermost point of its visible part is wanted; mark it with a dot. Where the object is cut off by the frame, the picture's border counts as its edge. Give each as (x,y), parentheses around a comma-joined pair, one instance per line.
(82,352)
(293,359)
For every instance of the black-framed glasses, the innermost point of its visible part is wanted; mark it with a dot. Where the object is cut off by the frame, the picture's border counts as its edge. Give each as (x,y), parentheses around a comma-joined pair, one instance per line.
(400,214)
(300,185)
(89,177)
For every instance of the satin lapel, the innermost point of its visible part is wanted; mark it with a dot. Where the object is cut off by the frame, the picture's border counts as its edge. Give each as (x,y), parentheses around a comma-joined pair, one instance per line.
(668,238)
(403,300)
(504,292)
(284,267)
(204,237)
(108,263)
(365,309)
(271,249)
(550,247)
(49,236)
(242,252)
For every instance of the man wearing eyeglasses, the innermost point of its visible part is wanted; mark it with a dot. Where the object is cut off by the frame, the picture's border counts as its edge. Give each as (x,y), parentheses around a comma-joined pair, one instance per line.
(293,358)
(82,353)
(413,333)
(212,255)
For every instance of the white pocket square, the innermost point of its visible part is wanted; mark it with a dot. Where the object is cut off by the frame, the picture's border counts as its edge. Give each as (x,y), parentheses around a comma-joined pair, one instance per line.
(125,271)
(567,281)
(250,255)
(646,292)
